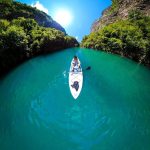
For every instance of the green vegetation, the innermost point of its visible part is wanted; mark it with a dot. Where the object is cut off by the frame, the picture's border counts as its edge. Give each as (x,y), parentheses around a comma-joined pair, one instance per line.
(130,38)
(115,6)
(26,32)
(12,10)
(6,1)
(23,38)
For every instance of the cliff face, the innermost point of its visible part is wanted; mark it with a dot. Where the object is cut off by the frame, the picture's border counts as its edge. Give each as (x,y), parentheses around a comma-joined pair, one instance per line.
(14,10)
(120,10)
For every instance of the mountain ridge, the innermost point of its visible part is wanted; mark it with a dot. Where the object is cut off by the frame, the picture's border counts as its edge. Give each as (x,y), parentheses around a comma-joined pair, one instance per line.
(15,10)
(119,10)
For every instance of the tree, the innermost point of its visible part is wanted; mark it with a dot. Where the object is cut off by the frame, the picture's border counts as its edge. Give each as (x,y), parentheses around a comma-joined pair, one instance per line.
(16,38)
(27,24)
(23,38)
(4,25)
(6,1)
(69,41)
(13,46)
(121,37)
(135,15)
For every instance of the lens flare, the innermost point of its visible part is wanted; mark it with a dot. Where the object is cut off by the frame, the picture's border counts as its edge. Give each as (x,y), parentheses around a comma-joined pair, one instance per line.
(63,17)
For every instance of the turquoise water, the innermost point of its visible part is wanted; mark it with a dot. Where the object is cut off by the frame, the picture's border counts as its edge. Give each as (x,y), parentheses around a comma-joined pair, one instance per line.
(38,112)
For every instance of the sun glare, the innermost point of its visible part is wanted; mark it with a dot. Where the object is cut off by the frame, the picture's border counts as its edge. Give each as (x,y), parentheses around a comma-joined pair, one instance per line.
(63,17)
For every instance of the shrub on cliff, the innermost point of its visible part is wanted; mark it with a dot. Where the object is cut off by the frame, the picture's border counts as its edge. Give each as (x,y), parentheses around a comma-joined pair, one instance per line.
(13,45)
(143,22)
(140,20)
(27,24)
(4,25)
(50,38)
(6,1)
(115,5)
(23,38)
(69,41)
(123,37)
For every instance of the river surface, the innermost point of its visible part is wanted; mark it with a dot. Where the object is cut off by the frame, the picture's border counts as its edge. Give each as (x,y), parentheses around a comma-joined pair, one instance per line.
(38,112)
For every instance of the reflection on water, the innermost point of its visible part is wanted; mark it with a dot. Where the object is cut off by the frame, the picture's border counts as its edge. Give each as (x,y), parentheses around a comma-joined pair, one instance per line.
(37,110)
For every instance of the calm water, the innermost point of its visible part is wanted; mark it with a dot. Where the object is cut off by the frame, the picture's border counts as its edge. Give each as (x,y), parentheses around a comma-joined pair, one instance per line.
(38,112)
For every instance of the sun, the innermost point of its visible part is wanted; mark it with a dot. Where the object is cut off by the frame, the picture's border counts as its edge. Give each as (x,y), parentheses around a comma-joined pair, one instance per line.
(63,17)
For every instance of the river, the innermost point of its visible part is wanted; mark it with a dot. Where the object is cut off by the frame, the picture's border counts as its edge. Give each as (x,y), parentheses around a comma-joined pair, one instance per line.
(37,110)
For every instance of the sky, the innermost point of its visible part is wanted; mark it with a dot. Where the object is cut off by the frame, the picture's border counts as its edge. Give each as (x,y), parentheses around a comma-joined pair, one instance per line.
(83,13)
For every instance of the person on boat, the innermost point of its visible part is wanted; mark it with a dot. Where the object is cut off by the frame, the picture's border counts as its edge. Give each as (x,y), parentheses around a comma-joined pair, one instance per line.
(76,64)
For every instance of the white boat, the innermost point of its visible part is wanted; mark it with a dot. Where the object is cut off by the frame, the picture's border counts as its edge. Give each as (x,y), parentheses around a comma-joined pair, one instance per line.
(75,80)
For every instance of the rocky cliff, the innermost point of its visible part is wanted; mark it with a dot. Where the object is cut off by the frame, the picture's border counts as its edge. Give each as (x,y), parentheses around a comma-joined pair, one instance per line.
(14,10)
(120,9)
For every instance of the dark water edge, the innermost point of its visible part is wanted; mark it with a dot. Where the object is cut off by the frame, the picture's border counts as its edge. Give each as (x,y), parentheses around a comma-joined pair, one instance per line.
(12,66)
(4,72)
(128,56)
